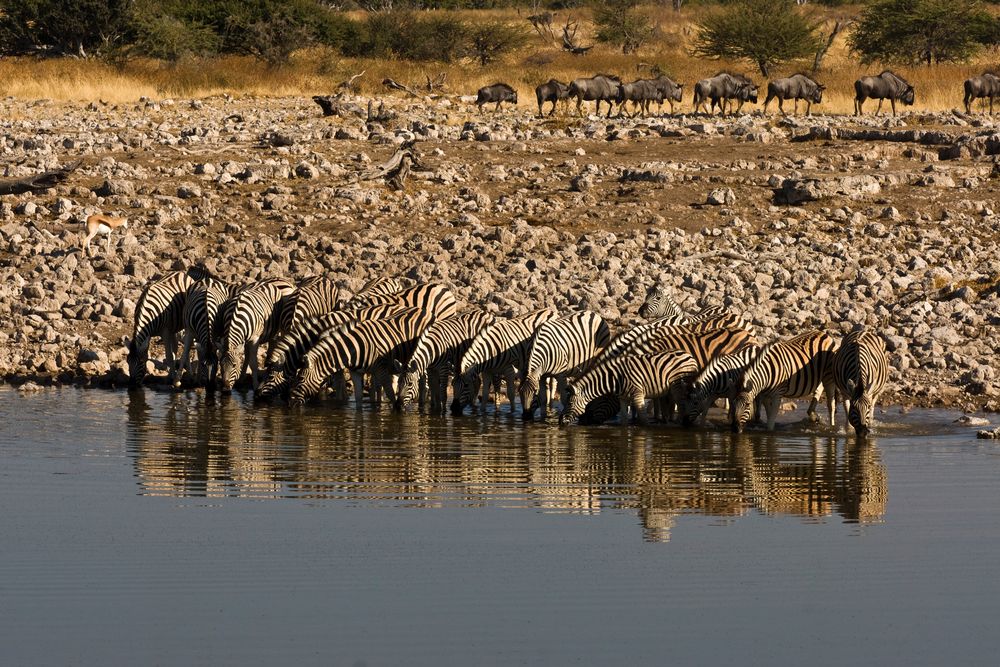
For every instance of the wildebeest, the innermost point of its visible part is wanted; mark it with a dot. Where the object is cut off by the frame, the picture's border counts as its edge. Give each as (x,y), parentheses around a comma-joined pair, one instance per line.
(552,90)
(640,93)
(498,92)
(885,85)
(598,88)
(987,85)
(723,87)
(796,87)
(670,89)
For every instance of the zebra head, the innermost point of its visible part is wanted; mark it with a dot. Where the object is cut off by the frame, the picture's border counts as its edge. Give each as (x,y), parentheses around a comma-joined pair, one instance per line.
(859,415)
(659,303)
(464,390)
(528,390)
(307,384)
(272,385)
(697,403)
(137,357)
(230,367)
(409,384)
(575,406)
(742,410)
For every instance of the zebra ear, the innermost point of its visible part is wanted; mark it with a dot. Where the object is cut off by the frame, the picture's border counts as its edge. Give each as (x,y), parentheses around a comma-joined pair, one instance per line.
(397,367)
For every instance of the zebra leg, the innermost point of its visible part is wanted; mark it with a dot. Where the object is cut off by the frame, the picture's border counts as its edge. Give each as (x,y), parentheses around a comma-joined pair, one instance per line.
(358,380)
(422,391)
(487,384)
(771,406)
(510,378)
(254,363)
(169,355)
(831,402)
(185,362)
(639,406)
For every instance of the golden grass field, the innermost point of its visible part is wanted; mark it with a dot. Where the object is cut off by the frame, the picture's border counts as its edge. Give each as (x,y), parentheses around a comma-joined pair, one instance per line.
(318,70)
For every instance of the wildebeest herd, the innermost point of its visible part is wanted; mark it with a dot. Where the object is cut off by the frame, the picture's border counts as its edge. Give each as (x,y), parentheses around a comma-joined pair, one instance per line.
(724,91)
(407,341)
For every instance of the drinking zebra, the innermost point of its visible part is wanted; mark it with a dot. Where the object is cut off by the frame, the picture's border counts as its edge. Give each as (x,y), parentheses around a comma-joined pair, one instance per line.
(633,379)
(370,346)
(495,353)
(252,317)
(721,378)
(159,312)
(795,368)
(202,307)
(860,369)
(560,348)
(438,352)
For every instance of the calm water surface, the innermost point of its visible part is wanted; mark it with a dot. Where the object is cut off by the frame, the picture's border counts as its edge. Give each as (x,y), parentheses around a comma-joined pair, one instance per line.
(151,528)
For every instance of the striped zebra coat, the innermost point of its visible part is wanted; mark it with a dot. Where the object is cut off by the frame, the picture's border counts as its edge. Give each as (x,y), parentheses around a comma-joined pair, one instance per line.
(202,308)
(721,378)
(659,303)
(495,353)
(438,353)
(159,312)
(633,379)
(373,289)
(285,358)
(798,367)
(703,346)
(313,297)
(560,348)
(252,317)
(860,370)
(371,346)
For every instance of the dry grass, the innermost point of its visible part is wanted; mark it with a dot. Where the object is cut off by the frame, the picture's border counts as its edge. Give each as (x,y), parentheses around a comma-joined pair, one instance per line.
(318,70)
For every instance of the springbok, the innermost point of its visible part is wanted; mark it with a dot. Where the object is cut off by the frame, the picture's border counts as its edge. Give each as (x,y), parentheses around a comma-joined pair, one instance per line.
(102,224)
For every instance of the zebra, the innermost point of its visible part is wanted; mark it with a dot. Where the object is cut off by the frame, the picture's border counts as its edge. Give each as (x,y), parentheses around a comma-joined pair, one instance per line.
(285,357)
(627,338)
(370,346)
(312,297)
(793,368)
(438,352)
(560,348)
(659,303)
(434,298)
(251,318)
(159,312)
(495,353)
(376,287)
(702,345)
(202,308)
(860,370)
(633,379)
(720,378)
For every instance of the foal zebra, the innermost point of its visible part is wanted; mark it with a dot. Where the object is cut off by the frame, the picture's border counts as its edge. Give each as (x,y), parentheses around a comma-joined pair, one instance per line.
(252,317)
(794,368)
(159,312)
(633,379)
(560,348)
(370,346)
(860,369)
(438,352)
(202,308)
(494,353)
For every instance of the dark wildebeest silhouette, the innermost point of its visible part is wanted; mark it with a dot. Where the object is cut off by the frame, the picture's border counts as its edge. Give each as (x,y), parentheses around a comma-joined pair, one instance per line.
(640,93)
(884,86)
(796,87)
(723,87)
(671,90)
(986,85)
(551,91)
(598,88)
(498,92)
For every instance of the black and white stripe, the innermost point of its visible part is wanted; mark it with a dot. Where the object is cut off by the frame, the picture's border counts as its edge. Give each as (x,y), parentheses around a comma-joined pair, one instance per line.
(633,379)
(560,348)
(496,352)
(372,346)
(799,367)
(205,299)
(860,370)
(251,317)
(721,378)
(312,297)
(438,354)
(374,289)
(659,303)
(702,345)
(159,312)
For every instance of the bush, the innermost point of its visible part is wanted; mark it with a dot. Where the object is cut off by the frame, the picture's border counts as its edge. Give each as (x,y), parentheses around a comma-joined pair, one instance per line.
(928,31)
(765,32)
(81,27)
(489,41)
(407,35)
(619,22)
(167,37)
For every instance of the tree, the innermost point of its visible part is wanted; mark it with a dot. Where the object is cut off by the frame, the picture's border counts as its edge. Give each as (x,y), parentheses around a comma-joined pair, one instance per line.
(927,31)
(765,32)
(61,27)
(489,41)
(619,22)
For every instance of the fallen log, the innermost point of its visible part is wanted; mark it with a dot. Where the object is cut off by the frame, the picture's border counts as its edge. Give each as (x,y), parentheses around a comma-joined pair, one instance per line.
(38,182)
(396,169)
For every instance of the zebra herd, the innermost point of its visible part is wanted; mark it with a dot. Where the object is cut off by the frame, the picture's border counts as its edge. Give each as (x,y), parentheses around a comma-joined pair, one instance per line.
(411,341)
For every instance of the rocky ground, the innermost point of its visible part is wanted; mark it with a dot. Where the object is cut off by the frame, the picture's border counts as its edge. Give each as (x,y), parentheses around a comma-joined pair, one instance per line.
(797,222)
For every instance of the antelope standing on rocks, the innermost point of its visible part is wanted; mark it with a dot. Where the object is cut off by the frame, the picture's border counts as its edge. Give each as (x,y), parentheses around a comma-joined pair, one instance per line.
(102,224)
